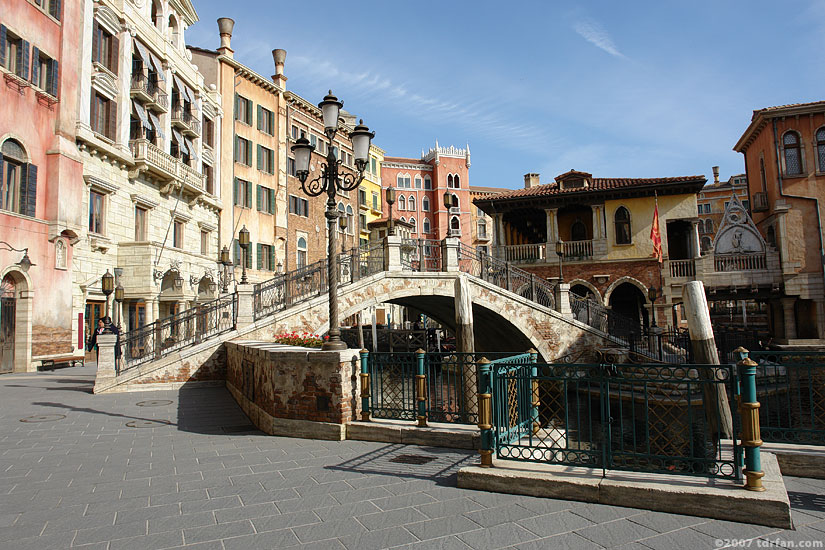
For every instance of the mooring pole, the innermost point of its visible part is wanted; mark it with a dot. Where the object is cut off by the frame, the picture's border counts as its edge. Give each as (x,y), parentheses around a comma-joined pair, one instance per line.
(485,412)
(421,388)
(749,411)
(365,386)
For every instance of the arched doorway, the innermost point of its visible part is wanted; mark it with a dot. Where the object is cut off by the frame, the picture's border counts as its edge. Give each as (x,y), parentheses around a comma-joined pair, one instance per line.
(584,292)
(628,300)
(8,318)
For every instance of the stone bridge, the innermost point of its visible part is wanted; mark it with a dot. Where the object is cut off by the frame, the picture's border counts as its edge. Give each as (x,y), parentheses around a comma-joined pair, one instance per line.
(501,319)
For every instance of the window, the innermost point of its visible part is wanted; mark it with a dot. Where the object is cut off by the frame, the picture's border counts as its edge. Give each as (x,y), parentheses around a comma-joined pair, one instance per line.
(266,120)
(103,117)
(426,225)
(96,212)
(455,226)
(425,204)
(707,208)
(266,200)
(762,174)
(457,208)
(708,226)
(417,182)
(209,172)
(820,150)
(726,205)
(243,151)
(44,72)
(301,252)
(372,166)
(362,196)
(746,205)
(771,236)
(177,234)
(350,220)
(414,228)
(313,140)
(428,183)
(483,249)
(295,132)
(375,205)
(362,221)
(243,109)
(105,47)
(411,203)
(482,229)
(700,208)
(341,212)
(266,257)
(208,136)
(402,203)
(18,180)
(140,224)
(707,244)
(266,159)
(449,180)
(792,153)
(204,242)
(578,232)
(621,220)
(298,206)
(242,193)
(453,181)
(14,54)
(52,7)
(290,167)
(403,181)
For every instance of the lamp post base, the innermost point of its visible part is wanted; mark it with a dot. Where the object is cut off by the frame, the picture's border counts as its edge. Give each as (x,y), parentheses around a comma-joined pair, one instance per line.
(333,345)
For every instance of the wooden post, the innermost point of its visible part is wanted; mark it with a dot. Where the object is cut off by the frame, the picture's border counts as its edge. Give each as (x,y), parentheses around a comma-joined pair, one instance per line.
(365,385)
(717,407)
(465,341)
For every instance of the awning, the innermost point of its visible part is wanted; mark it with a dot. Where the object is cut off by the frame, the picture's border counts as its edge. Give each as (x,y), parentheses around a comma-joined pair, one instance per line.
(156,123)
(141,113)
(181,142)
(144,54)
(179,83)
(191,148)
(158,66)
(190,95)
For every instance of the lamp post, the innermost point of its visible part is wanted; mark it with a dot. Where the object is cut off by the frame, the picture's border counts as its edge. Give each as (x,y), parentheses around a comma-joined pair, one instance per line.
(331,182)
(560,254)
(390,195)
(107,285)
(653,294)
(243,241)
(225,262)
(450,201)
(119,301)
(25,263)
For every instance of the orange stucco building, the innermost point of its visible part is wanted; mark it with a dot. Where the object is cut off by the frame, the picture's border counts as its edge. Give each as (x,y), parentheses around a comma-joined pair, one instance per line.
(784,149)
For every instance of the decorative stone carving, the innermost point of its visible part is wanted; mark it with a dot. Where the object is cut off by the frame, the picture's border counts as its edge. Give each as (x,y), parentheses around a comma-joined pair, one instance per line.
(738,234)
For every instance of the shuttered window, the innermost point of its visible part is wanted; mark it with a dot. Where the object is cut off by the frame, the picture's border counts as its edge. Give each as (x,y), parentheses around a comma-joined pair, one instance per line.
(14,53)
(105,48)
(18,180)
(103,118)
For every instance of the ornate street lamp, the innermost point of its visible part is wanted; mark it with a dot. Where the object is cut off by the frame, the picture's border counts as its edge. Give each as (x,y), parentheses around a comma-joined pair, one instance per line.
(560,254)
(390,193)
(243,241)
(107,285)
(653,294)
(450,201)
(331,182)
(225,262)
(119,300)
(25,262)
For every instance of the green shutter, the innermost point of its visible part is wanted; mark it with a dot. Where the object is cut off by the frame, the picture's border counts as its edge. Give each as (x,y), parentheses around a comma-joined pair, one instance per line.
(260,113)
(271,258)
(30,183)
(258,247)
(249,259)
(53,72)
(236,246)
(235,192)
(248,203)
(271,124)
(237,147)
(260,157)
(3,45)
(271,201)
(259,197)
(237,112)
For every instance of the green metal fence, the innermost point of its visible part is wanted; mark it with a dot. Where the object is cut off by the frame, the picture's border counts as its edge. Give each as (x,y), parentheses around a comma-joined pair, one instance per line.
(649,418)
(790,387)
(451,385)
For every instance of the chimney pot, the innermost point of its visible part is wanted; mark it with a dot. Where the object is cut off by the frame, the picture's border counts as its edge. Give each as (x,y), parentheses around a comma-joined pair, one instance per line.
(279,56)
(715,174)
(531,180)
(225,27)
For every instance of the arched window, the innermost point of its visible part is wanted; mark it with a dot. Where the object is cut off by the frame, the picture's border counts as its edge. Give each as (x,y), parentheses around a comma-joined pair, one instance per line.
(350,220)
(771,236)
(301,252)
(402,203)
(578,232)
(706,244)
(157,14)
(18,179)
(455,227)
(762,174)
(449,180)
(457,207)
(456,181)
(403,219)
(792,153)
(426,225)
(174,35)
(428,183)
(708,226)
(621,220)
(411,203)
(820,150)
(342,211)
(414,226)
(399,181)
(425,204)
(417,181)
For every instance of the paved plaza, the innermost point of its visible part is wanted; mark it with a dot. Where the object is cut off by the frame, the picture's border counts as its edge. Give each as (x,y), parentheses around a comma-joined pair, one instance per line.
(186,468)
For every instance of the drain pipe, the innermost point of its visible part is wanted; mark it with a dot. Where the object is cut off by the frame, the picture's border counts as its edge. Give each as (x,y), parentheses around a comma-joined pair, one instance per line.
(816,203)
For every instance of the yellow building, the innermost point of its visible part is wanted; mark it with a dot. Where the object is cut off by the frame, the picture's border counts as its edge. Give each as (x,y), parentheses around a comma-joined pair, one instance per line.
(369,194)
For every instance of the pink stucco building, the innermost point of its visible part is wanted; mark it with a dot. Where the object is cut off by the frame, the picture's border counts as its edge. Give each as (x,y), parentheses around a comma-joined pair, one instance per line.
(41,182)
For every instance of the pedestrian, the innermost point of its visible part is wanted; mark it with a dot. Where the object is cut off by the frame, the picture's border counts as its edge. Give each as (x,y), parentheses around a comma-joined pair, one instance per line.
(92,343)
(112,329)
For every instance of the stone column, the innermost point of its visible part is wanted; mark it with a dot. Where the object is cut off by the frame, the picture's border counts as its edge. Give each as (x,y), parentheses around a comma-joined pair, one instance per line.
(106,372)
(246,306)
(694,239)
(596,214)
(562,292)
(552,233)
(789,317)
(464,338)
(498,236)
(449,254)
(392,253)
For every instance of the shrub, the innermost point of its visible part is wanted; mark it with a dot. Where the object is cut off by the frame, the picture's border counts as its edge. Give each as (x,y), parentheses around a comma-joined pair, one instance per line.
(304,339)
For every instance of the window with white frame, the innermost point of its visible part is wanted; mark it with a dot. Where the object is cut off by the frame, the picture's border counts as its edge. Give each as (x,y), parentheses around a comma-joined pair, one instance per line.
(350,220)
(426,226)
(301,252)
(792,153)
(417,181)
(414,228)
(411,203)
(428,183)
(402,203)
(425,204)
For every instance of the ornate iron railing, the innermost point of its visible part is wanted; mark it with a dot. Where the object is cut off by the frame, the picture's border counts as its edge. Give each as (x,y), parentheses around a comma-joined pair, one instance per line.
(621,328)
(647,418)
(790,387)
(187,328)
(390,340)
(506,276)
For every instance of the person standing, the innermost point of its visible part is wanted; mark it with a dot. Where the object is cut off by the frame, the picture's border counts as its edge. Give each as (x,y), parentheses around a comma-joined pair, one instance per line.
(92,344)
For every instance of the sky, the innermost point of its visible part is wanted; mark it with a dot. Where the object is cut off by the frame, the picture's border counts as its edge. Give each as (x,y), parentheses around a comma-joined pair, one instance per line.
(614,88)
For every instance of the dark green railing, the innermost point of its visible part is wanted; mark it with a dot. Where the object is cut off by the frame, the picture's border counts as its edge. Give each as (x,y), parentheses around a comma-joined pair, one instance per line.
(648,418)
(451,385)
(790,387)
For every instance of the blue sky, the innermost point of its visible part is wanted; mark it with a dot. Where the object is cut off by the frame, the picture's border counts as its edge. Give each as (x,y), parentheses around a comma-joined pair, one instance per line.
(618,89)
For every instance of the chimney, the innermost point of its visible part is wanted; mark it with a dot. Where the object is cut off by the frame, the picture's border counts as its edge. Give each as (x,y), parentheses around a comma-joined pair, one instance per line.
(225,26)
(715,174)
(279,56)
(531,180)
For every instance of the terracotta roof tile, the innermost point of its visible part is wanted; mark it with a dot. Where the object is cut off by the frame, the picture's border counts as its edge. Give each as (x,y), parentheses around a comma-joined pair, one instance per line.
(596,184)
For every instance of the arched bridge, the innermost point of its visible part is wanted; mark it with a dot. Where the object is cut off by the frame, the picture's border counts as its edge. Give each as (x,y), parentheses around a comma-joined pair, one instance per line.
(512,310)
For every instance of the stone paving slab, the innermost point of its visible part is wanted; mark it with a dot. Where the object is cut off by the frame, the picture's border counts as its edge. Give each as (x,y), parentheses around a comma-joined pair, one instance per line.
(87,480)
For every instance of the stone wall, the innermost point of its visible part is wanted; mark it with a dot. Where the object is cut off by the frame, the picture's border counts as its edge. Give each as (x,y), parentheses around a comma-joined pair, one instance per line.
(295,383)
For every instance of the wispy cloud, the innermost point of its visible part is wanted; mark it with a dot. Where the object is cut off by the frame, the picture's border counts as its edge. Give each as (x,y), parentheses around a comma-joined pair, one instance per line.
(594,33)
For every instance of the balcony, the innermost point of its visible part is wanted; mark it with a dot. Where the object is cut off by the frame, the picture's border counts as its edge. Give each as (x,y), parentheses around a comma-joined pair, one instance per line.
(739,262)
(186,120)
(165,167)
(145,89)
(760,202)
(682,268)
(524,253)
(191,178)
(578,250)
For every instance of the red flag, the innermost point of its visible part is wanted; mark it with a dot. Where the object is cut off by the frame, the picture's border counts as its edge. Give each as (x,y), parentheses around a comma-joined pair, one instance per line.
(655,234)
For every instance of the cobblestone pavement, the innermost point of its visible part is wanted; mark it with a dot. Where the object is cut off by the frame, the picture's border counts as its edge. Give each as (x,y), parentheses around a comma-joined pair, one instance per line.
(186,469)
